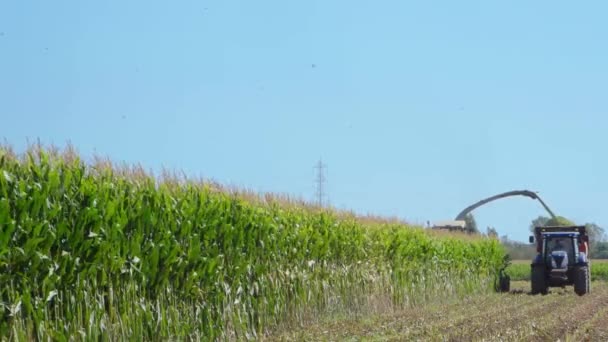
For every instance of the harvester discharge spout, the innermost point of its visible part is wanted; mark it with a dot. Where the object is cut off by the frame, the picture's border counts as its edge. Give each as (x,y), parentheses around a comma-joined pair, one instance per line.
(526,193)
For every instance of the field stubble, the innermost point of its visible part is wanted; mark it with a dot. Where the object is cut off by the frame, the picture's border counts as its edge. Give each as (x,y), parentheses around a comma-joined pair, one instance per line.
(516,316)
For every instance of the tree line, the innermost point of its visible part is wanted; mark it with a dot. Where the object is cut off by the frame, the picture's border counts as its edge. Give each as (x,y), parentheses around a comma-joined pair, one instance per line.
(598,248)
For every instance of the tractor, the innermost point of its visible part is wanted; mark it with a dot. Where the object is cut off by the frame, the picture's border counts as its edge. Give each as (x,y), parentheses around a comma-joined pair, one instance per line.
(562,259)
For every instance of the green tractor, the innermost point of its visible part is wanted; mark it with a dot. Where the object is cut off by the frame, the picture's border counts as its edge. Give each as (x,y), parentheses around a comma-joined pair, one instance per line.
(562,259)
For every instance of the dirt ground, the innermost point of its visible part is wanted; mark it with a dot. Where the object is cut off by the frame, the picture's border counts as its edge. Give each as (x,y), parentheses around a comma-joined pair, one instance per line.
(516,316)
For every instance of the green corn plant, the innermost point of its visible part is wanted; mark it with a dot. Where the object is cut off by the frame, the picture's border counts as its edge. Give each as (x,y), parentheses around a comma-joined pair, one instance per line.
(95,252)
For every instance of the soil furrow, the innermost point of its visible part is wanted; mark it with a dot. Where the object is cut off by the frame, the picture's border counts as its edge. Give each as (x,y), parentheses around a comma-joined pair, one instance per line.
(571,318)
(596,329)
(451,318)
(511,322)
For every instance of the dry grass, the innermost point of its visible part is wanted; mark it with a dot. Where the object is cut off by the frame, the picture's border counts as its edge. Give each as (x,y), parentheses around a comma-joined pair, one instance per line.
(456,234)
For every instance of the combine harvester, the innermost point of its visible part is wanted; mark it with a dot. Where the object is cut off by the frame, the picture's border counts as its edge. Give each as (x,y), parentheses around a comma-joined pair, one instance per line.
(562,250)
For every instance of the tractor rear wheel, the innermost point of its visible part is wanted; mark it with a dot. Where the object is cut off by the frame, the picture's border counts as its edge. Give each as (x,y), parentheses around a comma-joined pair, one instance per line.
(538,279)
(581,280)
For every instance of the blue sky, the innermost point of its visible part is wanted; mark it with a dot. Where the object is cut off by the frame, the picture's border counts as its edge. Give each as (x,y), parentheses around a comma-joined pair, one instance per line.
(419,108)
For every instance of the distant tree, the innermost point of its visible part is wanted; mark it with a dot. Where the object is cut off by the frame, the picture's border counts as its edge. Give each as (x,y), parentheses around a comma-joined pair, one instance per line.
(597,241)
(599,250)
(596,233)
(491,232)
(539,221)
(518,250)
(470,224)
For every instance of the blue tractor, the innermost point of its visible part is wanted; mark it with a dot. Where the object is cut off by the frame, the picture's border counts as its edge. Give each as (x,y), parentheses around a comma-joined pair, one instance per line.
(562,259)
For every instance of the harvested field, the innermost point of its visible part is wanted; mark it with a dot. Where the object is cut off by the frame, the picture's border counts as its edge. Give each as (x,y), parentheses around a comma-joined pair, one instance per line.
(517,316)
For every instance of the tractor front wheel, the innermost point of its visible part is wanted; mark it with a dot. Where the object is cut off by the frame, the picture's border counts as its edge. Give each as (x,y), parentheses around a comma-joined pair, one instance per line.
(538,279)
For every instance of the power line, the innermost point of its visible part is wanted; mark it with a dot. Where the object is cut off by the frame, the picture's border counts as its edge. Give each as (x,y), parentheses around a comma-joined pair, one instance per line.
(320,180)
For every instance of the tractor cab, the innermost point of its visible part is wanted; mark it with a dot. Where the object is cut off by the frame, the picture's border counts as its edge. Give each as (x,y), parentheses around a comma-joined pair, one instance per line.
(560,250)
(561,259)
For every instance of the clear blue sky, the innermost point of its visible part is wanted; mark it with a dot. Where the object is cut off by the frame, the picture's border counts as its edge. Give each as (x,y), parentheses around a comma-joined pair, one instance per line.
(419,108)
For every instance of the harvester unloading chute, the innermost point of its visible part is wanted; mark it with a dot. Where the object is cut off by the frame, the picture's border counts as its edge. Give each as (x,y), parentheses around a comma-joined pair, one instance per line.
(526,193)
(459,222)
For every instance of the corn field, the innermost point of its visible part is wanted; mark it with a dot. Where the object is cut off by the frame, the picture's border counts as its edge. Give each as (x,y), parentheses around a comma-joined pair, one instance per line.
(91,252)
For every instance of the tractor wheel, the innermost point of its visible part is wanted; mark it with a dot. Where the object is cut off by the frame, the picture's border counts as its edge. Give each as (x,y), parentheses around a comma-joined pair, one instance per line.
(538,280)
(505,283)
(581,280)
